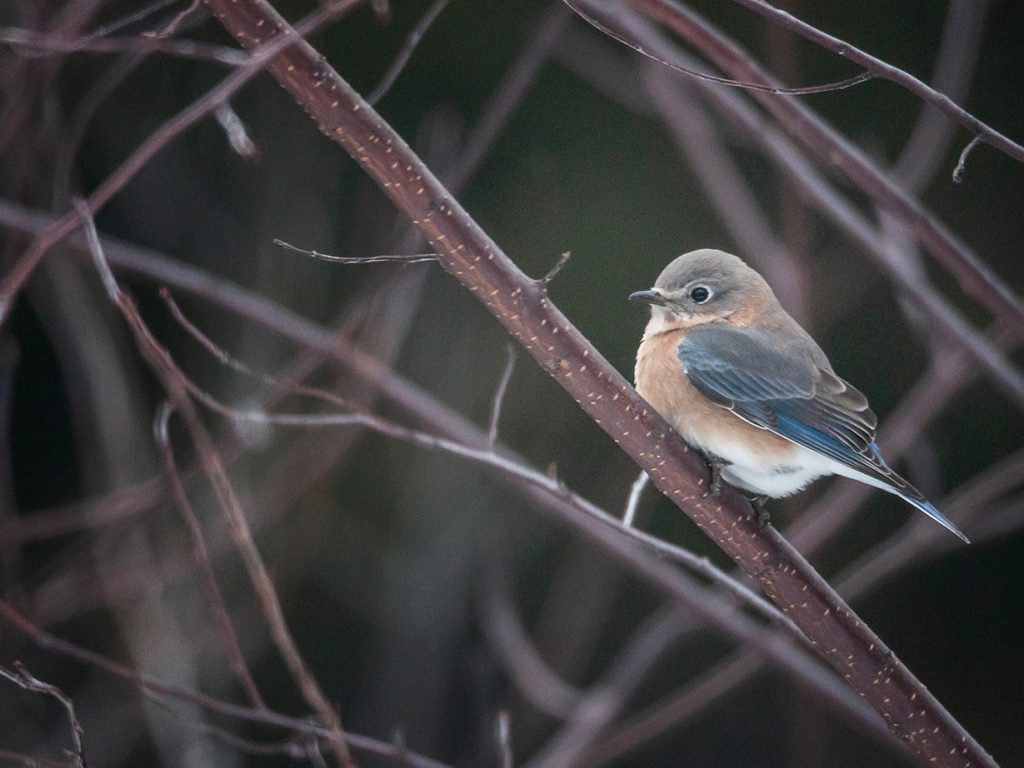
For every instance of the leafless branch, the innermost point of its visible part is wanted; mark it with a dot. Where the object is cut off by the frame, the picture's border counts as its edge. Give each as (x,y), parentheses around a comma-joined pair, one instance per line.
(636,491)
(387,258)
(159,691)
(22,269)
(881,69)
(499,394)
(961,164)
(163,366)
(21,677)
(201,557)
(626,39)
(33,44)
(407,50)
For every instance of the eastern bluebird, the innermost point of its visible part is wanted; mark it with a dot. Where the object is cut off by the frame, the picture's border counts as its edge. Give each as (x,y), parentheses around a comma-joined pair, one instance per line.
(740,380)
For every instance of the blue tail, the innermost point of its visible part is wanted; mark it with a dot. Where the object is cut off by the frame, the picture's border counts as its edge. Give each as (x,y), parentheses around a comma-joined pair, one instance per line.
(929,509)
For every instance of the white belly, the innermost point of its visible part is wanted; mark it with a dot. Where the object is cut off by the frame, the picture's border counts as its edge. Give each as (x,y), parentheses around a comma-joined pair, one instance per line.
(750,471)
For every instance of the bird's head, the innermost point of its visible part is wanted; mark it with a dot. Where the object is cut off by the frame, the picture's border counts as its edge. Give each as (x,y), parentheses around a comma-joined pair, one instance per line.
(701,287)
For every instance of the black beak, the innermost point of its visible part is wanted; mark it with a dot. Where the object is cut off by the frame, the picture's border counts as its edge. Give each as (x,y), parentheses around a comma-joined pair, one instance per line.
(648,297)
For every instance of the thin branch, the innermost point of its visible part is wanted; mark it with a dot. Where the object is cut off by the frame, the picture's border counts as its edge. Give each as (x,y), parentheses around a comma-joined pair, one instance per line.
(31,44)
(472,257)
(928,143)
(226,358)
(234,129)
(201,558)
(21,677)
(507,97)
(544,283)
(499,394)
(20,271)
(507,466)
(139,15)
(157,690)
(503,734)
(958,172)
(406,52)
(596,711)
(636,491)
(386,258)
(881,69)
(518,655)
(163,366)
(630,42)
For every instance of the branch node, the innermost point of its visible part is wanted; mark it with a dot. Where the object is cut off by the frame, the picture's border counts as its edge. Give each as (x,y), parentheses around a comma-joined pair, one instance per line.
(958,172)
(545,281)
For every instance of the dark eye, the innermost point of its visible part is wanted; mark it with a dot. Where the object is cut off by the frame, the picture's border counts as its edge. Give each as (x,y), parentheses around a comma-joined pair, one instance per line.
(700,294)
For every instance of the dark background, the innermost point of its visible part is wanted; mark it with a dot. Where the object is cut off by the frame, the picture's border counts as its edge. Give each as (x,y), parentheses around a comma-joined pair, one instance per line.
(385,556)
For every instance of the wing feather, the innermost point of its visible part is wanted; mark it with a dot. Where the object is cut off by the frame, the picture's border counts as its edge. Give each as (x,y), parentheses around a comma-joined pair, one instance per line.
(787,388)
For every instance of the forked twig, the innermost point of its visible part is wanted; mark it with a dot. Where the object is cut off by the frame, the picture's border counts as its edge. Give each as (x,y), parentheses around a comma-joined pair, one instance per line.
(21,677)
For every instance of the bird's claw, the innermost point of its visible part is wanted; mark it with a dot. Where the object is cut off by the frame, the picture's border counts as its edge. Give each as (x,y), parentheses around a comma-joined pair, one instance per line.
(715,484)
(760,513)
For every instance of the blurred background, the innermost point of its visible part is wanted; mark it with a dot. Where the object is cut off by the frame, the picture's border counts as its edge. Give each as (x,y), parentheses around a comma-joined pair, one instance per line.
(426,597)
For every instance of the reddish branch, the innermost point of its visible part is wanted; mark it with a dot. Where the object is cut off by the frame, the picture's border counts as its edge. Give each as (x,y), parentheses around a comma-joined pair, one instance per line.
(881,69)
(523,308)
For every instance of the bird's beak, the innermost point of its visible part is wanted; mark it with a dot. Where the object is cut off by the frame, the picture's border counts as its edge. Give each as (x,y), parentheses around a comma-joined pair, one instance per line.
(652,296)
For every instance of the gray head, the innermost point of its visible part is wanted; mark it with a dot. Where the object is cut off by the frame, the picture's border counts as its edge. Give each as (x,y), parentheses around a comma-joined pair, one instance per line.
(706,285)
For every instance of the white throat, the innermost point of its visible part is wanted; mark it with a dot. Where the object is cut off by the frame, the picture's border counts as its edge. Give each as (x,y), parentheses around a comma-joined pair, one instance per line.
(662,320)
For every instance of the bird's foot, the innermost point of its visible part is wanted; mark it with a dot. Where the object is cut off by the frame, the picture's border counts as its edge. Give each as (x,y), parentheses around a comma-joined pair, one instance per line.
(715,484)
(760,513)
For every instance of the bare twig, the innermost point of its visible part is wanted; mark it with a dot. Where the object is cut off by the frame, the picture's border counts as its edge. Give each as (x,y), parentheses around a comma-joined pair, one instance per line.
(631,42)
(201,557)
(881,69)
(406,52)
(504,465)
(139,15)
(386,258)
(34,44)
(636,491)
(928,143)
(234,129)
(158,690)
(544,282)
(499,394)
(595,711)
(164,368)
(518,655)
(21,677)
(22,269)
(504,738)
(958,172)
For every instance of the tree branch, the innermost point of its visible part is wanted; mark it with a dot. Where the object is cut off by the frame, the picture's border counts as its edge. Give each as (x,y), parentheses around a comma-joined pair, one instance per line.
(881,69)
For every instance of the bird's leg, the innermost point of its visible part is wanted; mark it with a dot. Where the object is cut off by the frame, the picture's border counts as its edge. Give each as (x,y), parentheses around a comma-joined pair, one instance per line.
(715,486)
(760,513)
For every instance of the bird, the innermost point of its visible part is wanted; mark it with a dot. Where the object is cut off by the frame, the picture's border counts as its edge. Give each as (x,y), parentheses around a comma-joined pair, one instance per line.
(738,378)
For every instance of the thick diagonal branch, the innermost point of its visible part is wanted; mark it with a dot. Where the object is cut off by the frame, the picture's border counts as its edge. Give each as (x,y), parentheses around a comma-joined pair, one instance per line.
(521,306)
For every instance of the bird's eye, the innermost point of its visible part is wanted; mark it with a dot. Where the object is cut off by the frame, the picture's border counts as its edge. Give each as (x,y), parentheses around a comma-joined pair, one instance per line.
(700,294)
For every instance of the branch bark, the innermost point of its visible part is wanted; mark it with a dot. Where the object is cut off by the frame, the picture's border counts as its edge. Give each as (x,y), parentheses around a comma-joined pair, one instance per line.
(521,306)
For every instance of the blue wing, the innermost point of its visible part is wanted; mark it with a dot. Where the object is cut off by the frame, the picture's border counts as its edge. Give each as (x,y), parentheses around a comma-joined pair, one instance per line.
(785,385)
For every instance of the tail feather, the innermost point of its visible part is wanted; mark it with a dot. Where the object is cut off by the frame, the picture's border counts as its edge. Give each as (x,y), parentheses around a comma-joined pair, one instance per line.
(929,509)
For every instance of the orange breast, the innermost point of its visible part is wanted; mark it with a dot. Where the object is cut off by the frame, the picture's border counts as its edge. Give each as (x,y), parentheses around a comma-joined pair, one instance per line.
(661,381)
